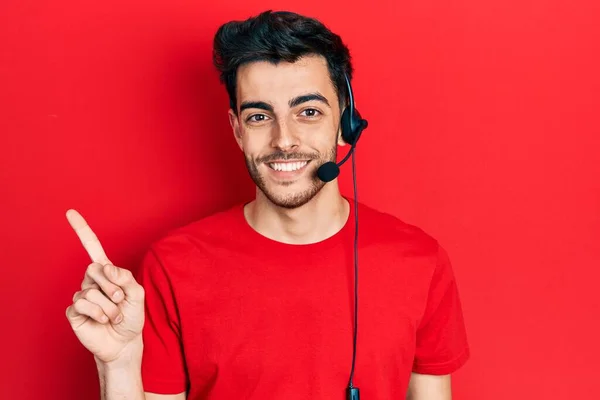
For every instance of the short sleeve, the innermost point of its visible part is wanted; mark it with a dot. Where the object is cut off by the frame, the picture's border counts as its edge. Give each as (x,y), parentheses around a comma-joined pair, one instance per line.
(442,345)
(163,364)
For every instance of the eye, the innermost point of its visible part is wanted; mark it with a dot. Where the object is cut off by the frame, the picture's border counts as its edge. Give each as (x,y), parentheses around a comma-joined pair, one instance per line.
(310,112)
(256,118)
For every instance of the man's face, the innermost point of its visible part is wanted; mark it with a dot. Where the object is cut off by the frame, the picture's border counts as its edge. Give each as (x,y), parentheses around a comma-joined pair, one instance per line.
(288,125)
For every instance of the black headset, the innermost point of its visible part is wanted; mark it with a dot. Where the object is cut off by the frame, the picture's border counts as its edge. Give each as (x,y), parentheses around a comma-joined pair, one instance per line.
(352,126)
(352,123)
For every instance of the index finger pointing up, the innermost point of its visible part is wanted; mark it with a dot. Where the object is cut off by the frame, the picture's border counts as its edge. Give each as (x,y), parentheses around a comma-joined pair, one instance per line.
(88,237)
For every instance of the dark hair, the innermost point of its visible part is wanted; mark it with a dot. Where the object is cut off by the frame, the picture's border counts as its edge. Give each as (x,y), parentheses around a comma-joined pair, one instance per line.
(278,36)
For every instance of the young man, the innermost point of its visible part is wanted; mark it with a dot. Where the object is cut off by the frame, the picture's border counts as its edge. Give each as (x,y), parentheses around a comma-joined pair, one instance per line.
(257,302)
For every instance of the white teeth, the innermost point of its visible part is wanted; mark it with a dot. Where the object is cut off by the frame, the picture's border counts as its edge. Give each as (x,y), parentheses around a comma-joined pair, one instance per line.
(288,166)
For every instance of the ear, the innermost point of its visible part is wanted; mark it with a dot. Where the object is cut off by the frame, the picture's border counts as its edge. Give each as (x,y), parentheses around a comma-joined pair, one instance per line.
(235,126)
(340,139)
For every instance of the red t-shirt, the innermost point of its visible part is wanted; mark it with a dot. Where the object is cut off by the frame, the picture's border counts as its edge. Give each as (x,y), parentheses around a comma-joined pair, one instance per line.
(231,314)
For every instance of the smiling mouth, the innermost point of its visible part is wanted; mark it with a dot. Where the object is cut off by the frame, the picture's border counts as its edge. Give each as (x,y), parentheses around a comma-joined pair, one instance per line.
(287,166)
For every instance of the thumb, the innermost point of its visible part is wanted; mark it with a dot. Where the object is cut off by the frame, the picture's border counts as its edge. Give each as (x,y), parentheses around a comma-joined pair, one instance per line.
(134,293)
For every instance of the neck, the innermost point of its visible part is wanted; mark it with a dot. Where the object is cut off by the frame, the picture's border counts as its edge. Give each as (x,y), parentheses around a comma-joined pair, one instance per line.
(322,217)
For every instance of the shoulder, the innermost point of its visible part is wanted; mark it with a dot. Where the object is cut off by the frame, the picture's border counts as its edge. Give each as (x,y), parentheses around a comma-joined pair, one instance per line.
(393,240)
(381,227)
(209,231)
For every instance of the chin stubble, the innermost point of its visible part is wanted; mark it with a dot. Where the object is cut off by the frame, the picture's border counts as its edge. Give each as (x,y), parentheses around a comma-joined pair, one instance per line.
(293,200)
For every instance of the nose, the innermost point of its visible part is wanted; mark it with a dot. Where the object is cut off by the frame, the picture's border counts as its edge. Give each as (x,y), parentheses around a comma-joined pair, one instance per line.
(284,138)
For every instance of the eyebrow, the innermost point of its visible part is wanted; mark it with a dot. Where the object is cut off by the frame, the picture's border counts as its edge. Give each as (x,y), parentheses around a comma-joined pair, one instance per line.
(308,97)
(256,104)
(292,103)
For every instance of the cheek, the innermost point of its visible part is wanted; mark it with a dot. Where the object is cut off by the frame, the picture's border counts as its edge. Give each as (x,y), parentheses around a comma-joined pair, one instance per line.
(318,135)
(255,144)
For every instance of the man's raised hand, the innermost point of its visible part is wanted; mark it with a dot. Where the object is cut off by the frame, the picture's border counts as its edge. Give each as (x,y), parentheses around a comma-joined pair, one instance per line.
(107,314)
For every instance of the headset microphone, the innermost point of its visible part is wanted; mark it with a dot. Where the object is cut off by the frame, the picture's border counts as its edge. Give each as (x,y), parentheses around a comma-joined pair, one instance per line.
(330,170)
(352,127)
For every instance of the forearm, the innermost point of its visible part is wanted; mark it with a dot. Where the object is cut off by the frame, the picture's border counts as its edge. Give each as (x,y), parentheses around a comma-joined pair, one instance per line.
(429,387)
(122,380)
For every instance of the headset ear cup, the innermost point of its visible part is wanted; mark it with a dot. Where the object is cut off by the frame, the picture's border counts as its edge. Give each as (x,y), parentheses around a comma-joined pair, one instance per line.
(357,124)
(347,128)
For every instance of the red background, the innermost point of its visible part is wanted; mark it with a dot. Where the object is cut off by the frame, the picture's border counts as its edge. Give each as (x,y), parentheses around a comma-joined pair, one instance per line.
(484,131)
